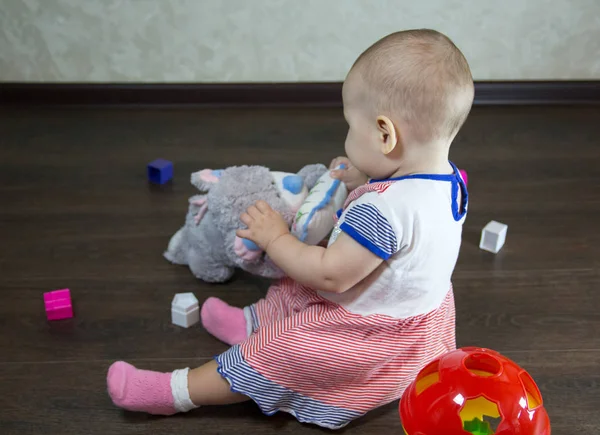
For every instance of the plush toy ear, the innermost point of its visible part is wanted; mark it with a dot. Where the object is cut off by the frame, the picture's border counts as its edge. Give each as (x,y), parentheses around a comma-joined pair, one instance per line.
(312,173)
(206,178)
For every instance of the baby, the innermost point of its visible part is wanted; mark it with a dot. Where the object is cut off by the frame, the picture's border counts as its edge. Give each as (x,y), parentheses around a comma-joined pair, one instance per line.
(354,322)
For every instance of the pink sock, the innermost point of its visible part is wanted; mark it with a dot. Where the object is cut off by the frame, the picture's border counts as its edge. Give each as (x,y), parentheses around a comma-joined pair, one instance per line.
(147,391)
(225,322)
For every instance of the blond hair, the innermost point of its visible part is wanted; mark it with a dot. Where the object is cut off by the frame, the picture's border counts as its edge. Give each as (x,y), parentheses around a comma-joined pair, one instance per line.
(422,77)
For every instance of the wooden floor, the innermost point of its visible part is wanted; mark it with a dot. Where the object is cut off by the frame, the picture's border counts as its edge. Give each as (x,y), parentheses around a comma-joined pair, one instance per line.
(76,211)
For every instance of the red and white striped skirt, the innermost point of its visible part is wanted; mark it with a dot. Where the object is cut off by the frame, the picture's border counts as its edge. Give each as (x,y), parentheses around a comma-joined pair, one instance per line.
(314,359)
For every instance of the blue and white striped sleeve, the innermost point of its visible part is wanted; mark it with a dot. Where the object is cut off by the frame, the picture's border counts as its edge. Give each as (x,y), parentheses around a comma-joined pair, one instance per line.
(367,225)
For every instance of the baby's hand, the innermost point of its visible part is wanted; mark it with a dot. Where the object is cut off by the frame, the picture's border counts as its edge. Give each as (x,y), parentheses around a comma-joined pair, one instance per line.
(264,224)
(350,176)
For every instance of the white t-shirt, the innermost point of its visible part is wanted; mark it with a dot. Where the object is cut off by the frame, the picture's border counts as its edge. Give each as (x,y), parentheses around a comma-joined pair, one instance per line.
(415,224)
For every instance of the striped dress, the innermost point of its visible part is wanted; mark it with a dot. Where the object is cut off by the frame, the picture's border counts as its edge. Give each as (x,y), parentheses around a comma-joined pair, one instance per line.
(323,361)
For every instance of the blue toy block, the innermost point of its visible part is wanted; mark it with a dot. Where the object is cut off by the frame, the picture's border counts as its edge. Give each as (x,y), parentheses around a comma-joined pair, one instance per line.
(160,171)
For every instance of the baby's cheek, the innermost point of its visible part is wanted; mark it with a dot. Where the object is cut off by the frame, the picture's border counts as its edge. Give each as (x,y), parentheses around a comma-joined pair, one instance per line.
(350,146)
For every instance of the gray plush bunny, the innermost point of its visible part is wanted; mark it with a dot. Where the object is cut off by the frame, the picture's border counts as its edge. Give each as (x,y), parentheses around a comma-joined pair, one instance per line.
(207,242)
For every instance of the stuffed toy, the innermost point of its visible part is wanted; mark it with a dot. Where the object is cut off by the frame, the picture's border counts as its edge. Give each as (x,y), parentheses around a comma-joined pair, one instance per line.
(208,243)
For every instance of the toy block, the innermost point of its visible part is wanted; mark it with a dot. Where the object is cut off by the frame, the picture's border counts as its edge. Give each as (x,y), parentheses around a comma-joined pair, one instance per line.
(58,304)
(464,176)
(160,171)
(493,236)
(185,311)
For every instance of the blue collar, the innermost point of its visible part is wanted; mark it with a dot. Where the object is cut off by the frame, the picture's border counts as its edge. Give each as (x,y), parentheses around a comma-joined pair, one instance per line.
(437,177)
(458,211)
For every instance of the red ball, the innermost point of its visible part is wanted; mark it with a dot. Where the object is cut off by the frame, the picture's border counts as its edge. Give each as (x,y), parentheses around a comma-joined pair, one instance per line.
(473,391)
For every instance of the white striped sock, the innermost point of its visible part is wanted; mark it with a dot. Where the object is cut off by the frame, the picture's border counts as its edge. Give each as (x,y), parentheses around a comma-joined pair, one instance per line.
(179,389)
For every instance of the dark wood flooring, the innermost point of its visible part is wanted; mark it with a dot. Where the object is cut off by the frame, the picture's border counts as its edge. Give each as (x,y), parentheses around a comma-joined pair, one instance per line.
(76,211)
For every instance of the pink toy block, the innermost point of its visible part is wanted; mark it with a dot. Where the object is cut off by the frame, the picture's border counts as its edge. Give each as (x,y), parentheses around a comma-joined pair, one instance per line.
(464,176)
(58,304)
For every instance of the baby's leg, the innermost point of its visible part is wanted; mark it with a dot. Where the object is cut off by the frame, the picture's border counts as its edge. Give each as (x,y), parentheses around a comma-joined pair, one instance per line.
(168,393)
(233,325)
(227,323)
(208,387)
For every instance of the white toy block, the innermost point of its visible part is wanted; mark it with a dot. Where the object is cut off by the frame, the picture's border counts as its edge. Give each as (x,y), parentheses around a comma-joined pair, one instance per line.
(493,237)
(184,310)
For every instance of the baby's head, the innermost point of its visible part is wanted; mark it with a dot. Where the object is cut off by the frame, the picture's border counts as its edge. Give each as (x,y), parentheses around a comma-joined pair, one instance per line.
(405,99)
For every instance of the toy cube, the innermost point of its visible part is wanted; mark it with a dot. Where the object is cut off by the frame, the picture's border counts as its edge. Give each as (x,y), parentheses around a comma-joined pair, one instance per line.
(58,304)
(184,310)
(160,171)
(493,237)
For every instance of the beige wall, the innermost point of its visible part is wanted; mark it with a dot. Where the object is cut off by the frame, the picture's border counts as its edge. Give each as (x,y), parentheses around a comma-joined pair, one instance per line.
(284,40)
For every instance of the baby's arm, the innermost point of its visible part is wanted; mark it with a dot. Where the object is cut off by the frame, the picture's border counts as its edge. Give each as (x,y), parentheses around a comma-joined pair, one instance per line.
(334,269)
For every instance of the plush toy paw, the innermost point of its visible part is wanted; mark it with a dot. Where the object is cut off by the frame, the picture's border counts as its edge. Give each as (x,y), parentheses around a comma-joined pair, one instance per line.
(198,207)
(246,249)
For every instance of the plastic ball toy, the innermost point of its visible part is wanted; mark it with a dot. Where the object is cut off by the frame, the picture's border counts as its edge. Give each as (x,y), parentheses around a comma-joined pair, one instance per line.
(473,391)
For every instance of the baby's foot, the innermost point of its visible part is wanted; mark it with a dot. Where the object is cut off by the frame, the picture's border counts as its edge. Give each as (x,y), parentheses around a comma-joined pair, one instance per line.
(225,322)
(147,391)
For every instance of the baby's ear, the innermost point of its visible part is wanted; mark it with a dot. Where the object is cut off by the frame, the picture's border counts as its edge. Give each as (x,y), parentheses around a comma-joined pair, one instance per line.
(206,178)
